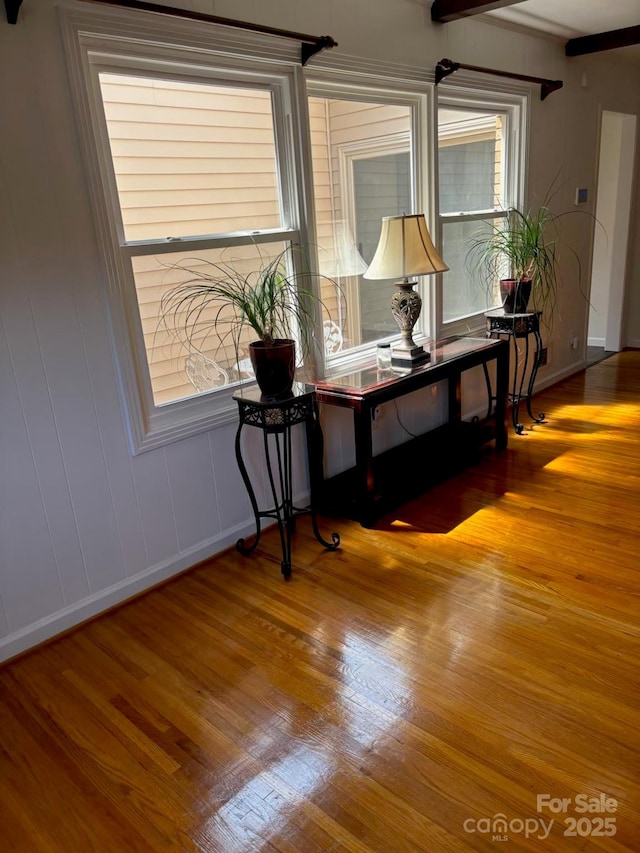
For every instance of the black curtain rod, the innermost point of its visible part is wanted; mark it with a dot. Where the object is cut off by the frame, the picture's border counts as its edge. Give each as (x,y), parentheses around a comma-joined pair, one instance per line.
(310,44)
(446,67)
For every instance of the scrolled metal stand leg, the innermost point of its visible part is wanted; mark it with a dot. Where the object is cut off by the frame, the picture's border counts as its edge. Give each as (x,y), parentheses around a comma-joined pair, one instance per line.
(335,537)
(534,372)
(240,546)
(282,504)
(515,396)
(287,500)
(523,375)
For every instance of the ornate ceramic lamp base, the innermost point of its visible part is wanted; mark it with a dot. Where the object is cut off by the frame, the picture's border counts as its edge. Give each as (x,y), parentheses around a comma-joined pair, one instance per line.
(405,307)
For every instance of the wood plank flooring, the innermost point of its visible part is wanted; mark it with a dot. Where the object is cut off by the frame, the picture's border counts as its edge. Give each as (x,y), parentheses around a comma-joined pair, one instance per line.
(414,691)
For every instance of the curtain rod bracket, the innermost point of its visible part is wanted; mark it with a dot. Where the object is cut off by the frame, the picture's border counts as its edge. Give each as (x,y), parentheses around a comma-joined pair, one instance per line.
(446,67)
(548,87)
(307,50)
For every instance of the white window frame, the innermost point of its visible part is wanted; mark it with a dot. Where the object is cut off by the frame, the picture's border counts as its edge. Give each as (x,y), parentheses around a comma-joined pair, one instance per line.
(419,98)
(131,41)
(100,42)
(515,106)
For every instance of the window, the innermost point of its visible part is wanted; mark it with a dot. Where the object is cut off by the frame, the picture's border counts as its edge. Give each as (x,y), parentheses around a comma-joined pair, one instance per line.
(366,165)
(198,151)
(193,158)
(190,160)
(479,180)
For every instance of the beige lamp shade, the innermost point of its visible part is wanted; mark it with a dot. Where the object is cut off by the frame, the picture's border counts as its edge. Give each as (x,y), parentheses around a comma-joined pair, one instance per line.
(405,249)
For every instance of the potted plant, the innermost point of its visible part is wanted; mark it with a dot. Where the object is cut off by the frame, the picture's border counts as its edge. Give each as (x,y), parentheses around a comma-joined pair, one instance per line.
(519,252)
(271,298)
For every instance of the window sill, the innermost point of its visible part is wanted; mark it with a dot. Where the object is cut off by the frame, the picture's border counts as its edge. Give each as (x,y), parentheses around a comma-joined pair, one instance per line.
(366,357)
(184,419)
(470,326)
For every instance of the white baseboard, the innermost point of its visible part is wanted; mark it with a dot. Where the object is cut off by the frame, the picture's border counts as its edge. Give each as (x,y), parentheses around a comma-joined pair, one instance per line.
(63,620)
(599,342)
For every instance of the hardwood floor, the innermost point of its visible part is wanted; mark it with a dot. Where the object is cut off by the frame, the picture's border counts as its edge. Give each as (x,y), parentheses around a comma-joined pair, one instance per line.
(477,649)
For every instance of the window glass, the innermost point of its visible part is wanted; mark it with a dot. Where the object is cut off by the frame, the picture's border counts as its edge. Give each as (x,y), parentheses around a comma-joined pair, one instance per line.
(190,158)
(177,342)
(463,292)
(474,191)
(467,176)
(382,187)
(362,154)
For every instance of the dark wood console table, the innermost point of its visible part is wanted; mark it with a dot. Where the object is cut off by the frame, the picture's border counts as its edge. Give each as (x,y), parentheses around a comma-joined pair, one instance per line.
(377,483)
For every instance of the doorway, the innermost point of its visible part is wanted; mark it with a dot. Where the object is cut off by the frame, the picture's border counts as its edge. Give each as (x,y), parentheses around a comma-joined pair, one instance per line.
(610,247)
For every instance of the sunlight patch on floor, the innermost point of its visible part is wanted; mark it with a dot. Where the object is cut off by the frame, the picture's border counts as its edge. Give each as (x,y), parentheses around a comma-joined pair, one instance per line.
(611,414)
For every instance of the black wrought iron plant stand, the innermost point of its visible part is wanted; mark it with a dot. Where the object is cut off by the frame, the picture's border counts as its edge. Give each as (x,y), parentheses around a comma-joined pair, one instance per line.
(520,327)
(276,418)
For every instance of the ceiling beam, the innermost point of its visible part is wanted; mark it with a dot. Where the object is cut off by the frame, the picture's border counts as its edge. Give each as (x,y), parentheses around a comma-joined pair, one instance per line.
(444,11)
(602,41)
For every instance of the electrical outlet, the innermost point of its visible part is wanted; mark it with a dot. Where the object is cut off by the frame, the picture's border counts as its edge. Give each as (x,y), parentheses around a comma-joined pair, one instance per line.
(543,357)
(574,342)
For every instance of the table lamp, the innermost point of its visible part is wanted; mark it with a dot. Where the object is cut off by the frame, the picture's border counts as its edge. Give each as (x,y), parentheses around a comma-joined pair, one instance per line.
(405,250)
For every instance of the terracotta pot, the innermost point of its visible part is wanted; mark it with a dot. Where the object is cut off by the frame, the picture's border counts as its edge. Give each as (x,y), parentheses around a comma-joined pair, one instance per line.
(274,366)
(515,295)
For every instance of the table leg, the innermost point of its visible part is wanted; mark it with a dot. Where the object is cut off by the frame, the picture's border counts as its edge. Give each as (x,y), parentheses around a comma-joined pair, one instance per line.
(455,398)
(490,397)
(315,449)
(365,486)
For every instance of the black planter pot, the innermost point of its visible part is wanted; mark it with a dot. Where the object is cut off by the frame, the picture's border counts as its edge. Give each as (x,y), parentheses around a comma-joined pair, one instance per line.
(515,295)
(274,366)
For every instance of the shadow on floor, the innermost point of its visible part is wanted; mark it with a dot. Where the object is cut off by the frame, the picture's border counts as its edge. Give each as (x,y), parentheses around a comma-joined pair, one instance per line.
(597,354)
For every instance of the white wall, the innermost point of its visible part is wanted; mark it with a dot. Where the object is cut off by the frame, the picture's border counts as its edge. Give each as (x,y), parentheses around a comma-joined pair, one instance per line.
(616,160)
(609,164)
(82,523)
